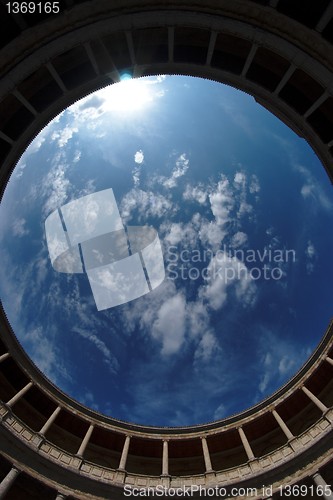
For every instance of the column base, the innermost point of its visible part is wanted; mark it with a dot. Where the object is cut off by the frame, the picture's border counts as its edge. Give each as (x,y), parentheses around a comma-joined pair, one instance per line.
(210,476)
(120,475)
(7,413)
(38,439)
(77,461)
(328,415)
(254,465)
(165,480)
(295,444)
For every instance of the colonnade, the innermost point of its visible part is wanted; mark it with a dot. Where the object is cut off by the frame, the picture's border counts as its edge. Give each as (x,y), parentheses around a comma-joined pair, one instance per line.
(165,462)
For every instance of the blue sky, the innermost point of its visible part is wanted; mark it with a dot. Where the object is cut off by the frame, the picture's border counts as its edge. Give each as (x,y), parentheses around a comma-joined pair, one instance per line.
(242,207)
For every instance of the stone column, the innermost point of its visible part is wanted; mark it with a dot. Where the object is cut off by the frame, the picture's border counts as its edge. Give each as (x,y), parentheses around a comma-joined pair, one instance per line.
(286,77)
(326,17)
(4,356)
(17,396)
(171,43)
(7,481)
(165,458)
(50,421)
(211,47)
(249,59)
(208,463)
(320,481)
(246,444)
(314,399)
(123,459)
(61,496)
(328,359)
(283,425)
(85,441)
(316,104)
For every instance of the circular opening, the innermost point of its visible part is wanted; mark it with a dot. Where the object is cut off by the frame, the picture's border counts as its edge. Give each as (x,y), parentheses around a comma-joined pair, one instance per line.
(165,252)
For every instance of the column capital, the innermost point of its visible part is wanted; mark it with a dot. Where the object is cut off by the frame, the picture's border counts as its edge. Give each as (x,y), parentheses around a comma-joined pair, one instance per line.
(8,412)
(315,399)
(61,496)
(8,481)
(20,394)
(39,439)
(320,481)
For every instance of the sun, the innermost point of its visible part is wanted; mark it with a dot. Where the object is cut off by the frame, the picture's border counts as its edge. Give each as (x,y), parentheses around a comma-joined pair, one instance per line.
(127,96)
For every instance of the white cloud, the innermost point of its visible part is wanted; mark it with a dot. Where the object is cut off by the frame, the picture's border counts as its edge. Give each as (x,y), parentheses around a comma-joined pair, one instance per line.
(174,322)
(224,274)
(286,365)
(162,316)
(64,135)
(222,202)
(55,186)
(169,326)
(45,354)
(108,357)
(254,185)
(145,204)
(196,193)
(88,399)
(212,234)
(77,156)
(139,157)
(229,202)
(43,350)
(208,346)
(238,240)
(19,169)
(198,318)
(179,232)
(280,361)
(239,179)
(245,185)
(136,176)
(220,412)
(182,165)
(189,234)
(19,227)
(312,190)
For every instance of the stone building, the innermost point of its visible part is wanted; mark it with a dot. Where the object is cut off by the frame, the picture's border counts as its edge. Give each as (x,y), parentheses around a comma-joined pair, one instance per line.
(279,51)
